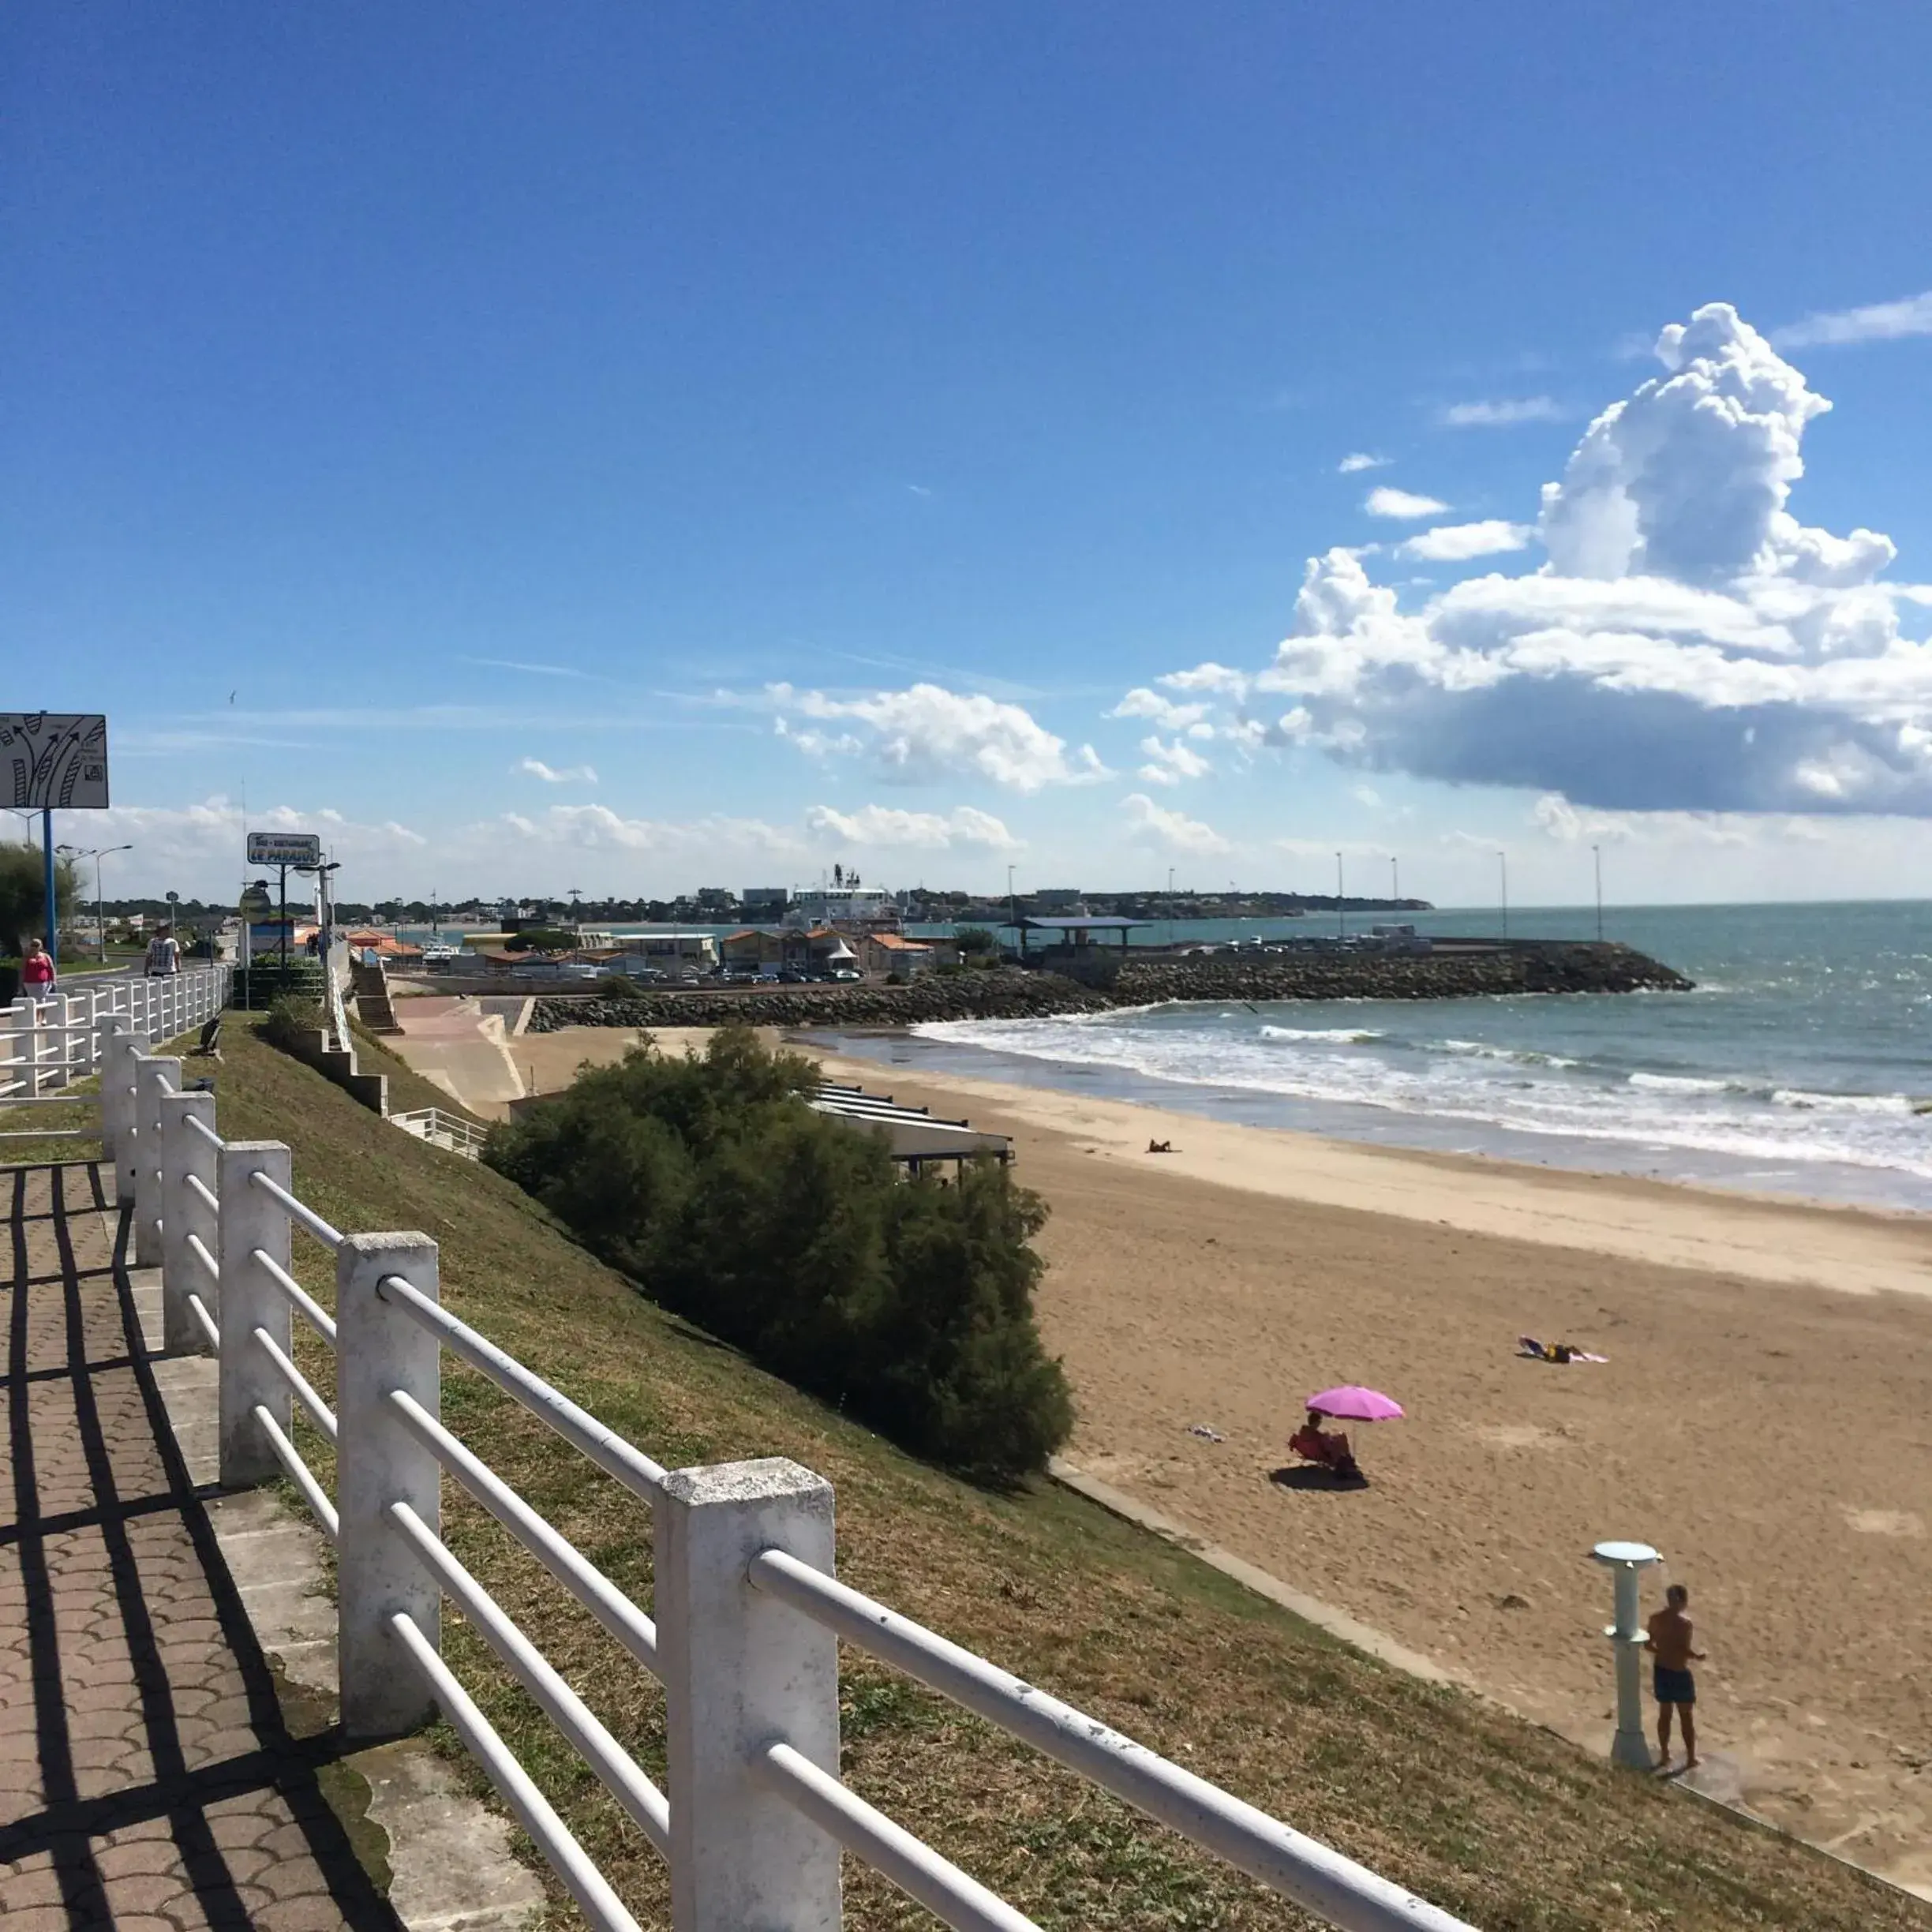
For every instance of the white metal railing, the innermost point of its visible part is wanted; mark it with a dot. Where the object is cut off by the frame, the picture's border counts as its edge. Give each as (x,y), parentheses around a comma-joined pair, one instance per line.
(46,1045)
(444,1130)
(748,1614)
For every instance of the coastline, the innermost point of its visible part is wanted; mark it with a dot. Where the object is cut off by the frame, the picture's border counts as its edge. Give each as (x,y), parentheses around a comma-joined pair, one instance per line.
(1761,1419)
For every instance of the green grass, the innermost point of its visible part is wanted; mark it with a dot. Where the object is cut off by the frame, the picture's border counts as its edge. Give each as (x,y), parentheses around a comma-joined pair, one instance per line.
(1493,1819)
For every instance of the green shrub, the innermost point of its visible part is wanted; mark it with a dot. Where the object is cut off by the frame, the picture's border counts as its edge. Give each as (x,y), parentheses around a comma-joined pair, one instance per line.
(290,1016)
(540,939)
(906,1301)
(976,939)
(618,986)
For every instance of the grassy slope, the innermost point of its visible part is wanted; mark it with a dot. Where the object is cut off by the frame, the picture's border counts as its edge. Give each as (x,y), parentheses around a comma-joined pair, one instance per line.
(1490,1818)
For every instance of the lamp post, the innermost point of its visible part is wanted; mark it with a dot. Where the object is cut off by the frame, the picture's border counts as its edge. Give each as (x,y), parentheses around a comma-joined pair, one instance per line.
(1340,916)
(1394,885)
(1502,865)
(100,920)
(1013,910)
(1596,854)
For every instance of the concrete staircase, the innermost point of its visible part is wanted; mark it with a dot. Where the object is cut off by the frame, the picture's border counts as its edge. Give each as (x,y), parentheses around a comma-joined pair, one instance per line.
(370,985)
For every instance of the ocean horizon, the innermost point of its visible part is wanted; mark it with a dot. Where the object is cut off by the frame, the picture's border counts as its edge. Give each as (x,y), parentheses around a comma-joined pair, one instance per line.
(1797,1067)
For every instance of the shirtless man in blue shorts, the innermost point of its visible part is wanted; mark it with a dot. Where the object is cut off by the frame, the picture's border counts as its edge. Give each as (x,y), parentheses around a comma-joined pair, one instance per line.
(1675,1688)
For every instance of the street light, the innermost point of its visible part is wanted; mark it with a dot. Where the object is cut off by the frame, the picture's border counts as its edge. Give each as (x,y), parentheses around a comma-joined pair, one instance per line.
(1013,909)
(1503,863)
(1394,884)
(100,920)
(1341,916)
(1596,854)
(31,819)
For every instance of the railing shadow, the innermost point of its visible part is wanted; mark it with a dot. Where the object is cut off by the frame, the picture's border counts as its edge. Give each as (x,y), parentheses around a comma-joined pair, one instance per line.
(123,1632)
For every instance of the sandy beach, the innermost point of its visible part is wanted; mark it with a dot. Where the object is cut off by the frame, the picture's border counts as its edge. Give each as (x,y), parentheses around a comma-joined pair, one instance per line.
(1764,1418)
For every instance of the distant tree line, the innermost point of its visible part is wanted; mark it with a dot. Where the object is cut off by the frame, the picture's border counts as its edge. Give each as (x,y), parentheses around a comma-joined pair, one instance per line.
(906,1301)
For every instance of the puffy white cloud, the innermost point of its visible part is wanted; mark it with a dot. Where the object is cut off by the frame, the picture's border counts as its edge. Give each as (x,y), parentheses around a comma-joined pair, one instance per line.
(1689,647)
(925,733)
(1358,460)
(597,828)
(1168,764)
(197,850)
(885,825)
(1456,543)
(1142,703)
(1150,824)
(1385,500)
(569,774)
(1500,413)
(1876,322)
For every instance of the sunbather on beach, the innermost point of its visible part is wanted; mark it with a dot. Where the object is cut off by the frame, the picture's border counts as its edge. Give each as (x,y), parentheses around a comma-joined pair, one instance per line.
(1329,1452)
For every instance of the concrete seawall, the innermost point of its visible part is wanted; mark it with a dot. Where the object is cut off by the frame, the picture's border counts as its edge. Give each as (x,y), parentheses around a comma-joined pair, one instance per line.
(1012,993)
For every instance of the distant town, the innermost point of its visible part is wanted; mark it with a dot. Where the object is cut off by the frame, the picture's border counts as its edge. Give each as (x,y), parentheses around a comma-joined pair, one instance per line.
(755,905)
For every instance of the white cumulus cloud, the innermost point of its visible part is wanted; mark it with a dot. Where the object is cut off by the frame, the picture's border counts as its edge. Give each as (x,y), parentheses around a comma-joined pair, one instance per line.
(1876,322)
(1456,543)
(885,825)
(926,733)
(569,774)
(1150,824)
(1168,764)
(1690,645)
(1142,703)
(1358,460)
(1500,413)
(1386,501)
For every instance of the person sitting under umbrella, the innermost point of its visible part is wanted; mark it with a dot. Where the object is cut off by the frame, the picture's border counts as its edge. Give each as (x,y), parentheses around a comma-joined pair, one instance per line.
(1314,1444)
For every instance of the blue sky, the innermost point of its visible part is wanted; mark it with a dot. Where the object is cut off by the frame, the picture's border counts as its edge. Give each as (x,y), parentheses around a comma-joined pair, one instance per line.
(844,432)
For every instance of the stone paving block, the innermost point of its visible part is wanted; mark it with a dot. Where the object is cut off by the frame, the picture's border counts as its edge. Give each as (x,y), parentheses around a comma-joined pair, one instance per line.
(146,1780)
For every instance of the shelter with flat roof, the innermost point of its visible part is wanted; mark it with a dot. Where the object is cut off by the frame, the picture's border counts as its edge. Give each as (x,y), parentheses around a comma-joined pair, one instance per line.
(1080,930)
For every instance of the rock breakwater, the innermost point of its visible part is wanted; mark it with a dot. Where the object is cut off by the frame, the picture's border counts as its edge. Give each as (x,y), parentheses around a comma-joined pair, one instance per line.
(1012,993)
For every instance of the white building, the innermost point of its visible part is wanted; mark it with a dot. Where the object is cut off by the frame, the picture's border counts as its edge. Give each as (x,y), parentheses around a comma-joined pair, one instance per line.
(855,907)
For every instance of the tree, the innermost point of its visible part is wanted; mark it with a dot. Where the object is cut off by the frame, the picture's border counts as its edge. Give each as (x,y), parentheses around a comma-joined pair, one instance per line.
(906,1301)
(23,895)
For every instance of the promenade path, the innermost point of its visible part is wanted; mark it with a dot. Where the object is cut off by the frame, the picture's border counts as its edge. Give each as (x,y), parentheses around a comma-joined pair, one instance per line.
(149,1779)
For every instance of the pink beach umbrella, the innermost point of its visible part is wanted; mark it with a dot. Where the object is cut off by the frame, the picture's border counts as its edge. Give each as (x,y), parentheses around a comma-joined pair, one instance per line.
(1352,1404)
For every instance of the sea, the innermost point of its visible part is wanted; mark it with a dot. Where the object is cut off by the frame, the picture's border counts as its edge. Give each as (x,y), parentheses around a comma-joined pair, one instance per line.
(1801,1064)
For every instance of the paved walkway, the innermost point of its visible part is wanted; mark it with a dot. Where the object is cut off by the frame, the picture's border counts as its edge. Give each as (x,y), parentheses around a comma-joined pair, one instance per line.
(149,1781)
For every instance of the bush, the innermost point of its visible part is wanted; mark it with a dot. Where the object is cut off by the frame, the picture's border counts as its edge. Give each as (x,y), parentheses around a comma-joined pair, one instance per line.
(906,1301)
(290,1016)
(540,939)
(618,986)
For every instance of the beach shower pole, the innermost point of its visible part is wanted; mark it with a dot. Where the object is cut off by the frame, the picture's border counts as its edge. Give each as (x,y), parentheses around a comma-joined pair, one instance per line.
(1596,854)
(1340,916)
(1630,1747)
(1394,885)
(1503,863)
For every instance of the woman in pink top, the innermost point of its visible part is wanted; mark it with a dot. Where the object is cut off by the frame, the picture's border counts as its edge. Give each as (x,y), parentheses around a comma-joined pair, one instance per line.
(37,972)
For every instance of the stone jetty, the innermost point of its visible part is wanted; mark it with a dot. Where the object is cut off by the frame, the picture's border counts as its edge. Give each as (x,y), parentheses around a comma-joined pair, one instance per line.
(1011,993)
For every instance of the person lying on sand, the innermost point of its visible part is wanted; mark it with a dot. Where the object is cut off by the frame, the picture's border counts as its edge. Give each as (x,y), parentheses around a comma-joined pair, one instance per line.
(1332,1453)
(1160,1147)
(1554,1351)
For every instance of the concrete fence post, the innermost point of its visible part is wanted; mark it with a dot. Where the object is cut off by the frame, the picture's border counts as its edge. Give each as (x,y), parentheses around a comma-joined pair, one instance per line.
(253,1225)
(741,1671)
(118,1078)
(184,1212)
(153,1077)
(380,1348)
(116,1108)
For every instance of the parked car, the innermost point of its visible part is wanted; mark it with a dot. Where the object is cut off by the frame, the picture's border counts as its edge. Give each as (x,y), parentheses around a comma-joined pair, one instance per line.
(793,975)
(768,975)
(843,974)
